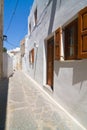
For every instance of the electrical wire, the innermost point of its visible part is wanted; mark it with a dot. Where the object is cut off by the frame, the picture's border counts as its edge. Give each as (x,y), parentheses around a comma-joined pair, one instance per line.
(11,44)
(12,16)
(25,26)
(27,13)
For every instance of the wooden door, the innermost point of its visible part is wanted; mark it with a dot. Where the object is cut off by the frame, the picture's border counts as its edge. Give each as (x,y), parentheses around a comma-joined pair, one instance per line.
(82,33)
(50,61)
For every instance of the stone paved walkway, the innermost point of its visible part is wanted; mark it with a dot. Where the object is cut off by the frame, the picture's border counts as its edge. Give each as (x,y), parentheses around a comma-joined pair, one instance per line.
(29,108)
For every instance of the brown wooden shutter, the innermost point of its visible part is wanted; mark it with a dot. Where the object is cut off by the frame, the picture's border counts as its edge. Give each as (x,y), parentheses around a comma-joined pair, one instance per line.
(32,55)
(82,33)
(57,43)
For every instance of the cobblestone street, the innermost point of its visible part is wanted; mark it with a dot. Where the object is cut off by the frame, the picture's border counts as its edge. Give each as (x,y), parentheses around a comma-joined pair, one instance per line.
(29,108)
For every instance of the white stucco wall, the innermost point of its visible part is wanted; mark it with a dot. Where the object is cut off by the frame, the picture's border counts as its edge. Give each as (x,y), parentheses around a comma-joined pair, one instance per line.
(17,61)
(70,87)
(7,65)
(70,77)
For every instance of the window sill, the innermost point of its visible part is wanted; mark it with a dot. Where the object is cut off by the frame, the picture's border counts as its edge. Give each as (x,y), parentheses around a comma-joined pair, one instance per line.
(77,60)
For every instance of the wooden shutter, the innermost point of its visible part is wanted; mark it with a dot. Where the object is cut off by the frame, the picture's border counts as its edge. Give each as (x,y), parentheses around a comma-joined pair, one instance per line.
(32,55)
(57,43)
(82,33)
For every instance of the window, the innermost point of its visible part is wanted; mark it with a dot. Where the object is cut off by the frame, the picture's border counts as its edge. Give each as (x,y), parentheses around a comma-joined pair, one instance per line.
(76,37)
(71,40)
(31,56)
(35,16)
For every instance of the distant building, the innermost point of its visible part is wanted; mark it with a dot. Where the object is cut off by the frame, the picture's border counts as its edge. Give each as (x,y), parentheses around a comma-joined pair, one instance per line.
(1,38)
(22,47)
(22,50)
(15,53)
(56,52)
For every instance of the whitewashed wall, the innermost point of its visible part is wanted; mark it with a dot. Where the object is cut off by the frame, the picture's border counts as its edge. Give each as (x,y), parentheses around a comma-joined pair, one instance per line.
(7,65)
(17,61)
(70,77)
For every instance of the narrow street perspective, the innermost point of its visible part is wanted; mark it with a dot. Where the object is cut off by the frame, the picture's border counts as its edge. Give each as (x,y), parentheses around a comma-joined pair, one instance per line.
(43,65)
(29,108)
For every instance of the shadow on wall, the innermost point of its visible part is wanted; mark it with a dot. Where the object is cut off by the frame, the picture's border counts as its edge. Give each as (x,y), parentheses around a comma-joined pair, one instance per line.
(53,10)
(52,16)
(79,70)
(3,102)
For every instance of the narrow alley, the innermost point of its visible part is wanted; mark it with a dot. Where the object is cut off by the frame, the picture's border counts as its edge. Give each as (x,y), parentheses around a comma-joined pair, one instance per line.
(29,108)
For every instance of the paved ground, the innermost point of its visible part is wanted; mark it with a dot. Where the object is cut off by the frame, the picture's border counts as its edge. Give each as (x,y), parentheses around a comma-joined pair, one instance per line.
(29,108)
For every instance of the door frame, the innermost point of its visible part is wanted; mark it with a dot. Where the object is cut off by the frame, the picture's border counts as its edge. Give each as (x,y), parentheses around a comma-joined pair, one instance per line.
(45,63)
(52,67)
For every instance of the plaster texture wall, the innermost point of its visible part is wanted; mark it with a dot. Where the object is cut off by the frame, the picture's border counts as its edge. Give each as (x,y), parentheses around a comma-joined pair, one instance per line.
(70,77)
(7,65)
(70,88)
(17,61)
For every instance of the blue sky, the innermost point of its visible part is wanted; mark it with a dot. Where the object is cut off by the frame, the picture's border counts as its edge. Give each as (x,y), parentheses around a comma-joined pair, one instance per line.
(16,14)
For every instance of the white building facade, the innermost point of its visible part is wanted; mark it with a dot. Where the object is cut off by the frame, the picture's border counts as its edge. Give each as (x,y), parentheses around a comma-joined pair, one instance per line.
(16,55)
(7,65)
(56,52)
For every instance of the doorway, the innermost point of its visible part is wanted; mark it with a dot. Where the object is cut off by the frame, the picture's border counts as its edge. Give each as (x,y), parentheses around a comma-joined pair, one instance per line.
(50,61)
